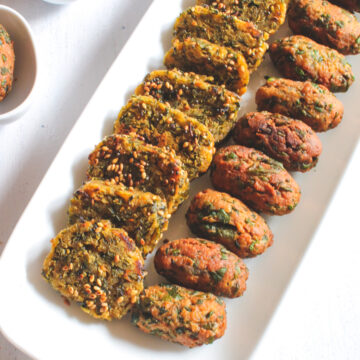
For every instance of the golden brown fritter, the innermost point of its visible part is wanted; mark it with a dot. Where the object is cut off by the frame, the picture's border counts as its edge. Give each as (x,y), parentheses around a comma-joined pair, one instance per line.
(225,30)
(97,266)
(127,160)
(219,217)
(159,124)
(142,214)
(259,181)
(303,100)
(7,63)
(187,317)
(227,66)
(289,141)
(267,15)
(202,265)
(212,105)
(325,23)
(299,58)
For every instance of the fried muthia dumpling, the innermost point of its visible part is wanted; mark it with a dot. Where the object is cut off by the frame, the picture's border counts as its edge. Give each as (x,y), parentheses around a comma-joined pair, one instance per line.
(268,15)
(303,100)
(259,181)
(7,63)
(289,141)
(225,30)
(219,217)
(187,317)
(127,160)
(142,214)
(212,105)
(202,265)
(159,124)
(300,58)
(227,66)
(325,23)
(351,5)
(97,266)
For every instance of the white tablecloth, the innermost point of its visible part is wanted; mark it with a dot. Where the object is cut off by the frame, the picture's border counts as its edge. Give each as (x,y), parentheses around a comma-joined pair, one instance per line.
(319,315)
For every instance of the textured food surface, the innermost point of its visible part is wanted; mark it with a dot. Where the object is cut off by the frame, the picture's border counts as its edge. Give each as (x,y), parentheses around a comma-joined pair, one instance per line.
(97,266)
(202,265)
(124,159)
(212,105)
(226,65)
(267,15)
(325,23)
(219,217)
(160,125)
(142,214)
(309,102)
(259,181)
(188,317)
(300,58)
(289,141)
(7,63)
(225,30)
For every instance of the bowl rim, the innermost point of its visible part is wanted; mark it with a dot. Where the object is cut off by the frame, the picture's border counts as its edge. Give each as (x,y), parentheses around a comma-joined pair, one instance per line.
(22,106)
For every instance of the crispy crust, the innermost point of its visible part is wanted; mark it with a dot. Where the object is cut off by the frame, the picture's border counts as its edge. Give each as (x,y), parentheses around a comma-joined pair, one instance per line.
(226,65)
(202,265)
(306,101)
(219,217)
(212,105)
(289,141)
(97,266)
(268,15)
(142,214)
(187,317)
(127,160)
(224,30)
(325,23)
(259,181)
(299,58)
(159,124)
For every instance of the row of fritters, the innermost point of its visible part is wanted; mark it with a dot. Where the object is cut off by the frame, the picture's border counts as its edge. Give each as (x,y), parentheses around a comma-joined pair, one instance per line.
(225,47)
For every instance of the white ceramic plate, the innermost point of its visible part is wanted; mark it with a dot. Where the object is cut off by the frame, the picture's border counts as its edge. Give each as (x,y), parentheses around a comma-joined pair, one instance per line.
(34,317)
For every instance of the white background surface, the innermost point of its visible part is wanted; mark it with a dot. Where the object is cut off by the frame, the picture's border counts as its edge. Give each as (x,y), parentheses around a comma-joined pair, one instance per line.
(319,317)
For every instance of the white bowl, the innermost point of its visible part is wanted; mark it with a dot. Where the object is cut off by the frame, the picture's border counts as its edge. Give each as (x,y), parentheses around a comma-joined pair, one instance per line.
(26,66)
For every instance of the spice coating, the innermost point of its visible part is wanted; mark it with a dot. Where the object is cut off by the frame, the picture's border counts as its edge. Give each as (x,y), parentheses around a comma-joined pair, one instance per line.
(190,318)
(259,181)
(289,141)
(226,220)
(160,125)
(97,266)
(306,101)
(142,214)
(212,105)
(124,159)
(268,15)
(202,265)
(7,63)
(225,30)
(299,58)
(226,65)
(325,23)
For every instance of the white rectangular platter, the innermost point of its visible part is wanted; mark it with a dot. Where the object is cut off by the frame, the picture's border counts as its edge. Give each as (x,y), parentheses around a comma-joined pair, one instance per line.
(35,318)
